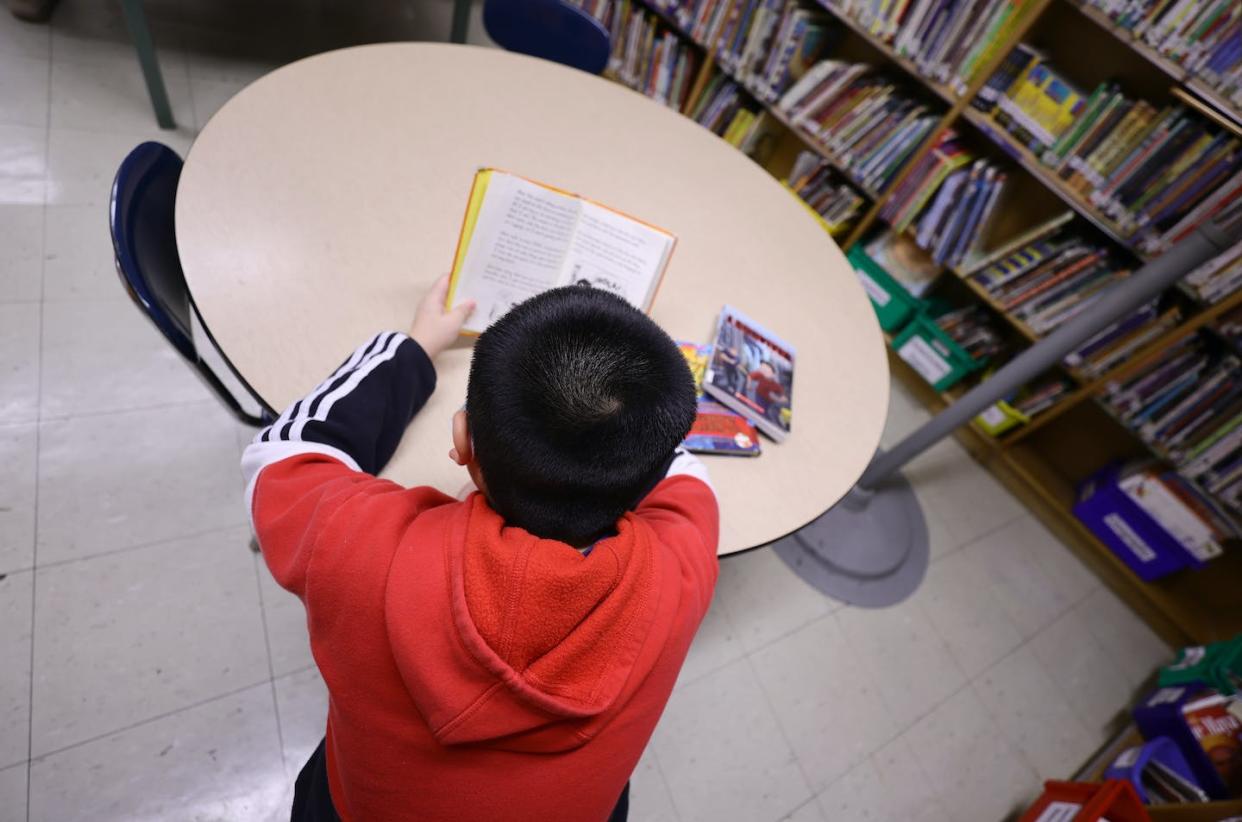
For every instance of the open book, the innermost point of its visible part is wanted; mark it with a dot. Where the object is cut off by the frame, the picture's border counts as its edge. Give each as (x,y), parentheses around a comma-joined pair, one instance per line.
(520,238)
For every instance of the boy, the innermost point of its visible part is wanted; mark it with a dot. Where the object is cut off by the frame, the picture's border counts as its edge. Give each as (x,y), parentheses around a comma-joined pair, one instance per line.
(505,657)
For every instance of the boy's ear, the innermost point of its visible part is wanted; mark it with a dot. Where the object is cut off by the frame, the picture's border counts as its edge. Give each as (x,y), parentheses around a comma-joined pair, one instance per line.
(462,451)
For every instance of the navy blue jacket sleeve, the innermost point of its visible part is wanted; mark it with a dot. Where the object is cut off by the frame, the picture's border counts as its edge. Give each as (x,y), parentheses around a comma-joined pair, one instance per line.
(357,415)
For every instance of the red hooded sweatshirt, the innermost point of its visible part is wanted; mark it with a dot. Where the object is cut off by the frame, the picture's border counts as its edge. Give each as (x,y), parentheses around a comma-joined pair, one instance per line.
(474,671)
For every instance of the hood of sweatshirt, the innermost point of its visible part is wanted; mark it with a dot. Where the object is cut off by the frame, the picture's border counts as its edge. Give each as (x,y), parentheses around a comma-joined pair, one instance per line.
(543,640)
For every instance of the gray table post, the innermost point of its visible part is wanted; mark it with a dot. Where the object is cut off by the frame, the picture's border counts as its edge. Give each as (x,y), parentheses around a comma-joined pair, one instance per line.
(872,548)
(136,22)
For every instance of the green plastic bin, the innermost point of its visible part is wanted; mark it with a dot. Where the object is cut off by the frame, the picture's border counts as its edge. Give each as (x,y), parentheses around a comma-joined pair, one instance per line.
(933,353)
(892,303)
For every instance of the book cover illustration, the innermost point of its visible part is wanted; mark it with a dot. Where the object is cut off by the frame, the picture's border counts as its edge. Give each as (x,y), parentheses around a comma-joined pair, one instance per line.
(751,372)
(716,429)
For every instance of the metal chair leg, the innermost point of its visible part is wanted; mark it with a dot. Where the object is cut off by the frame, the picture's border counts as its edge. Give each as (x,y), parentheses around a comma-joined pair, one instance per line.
(461,21)
(136,22)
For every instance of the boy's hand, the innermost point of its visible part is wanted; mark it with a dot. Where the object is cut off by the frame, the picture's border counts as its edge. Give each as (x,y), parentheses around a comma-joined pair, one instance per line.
(434,328)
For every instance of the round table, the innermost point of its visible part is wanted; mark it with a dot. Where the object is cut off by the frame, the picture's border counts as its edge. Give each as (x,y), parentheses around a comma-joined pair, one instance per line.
(320,202)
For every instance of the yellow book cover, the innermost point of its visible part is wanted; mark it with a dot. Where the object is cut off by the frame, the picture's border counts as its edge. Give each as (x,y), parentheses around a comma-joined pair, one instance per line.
(520,237)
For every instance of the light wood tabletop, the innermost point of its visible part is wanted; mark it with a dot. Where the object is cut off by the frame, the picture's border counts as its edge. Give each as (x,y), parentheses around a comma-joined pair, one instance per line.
(319,203)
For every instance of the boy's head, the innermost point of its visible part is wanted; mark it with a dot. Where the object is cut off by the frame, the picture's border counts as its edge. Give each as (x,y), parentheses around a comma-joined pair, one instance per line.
(575,403)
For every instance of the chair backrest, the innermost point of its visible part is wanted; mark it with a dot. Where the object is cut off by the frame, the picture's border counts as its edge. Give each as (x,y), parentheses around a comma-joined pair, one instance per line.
(144,238)
(145,241)
(552,29)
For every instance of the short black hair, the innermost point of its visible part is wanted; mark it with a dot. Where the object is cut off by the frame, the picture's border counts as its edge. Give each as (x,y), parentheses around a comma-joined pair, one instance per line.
(576,402)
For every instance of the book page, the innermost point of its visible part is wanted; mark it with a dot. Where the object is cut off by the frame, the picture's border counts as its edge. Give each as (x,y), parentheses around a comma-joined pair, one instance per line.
(616,253)
(517,248)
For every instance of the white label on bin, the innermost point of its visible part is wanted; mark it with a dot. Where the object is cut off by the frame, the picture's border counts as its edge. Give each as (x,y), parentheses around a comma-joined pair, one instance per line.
(1060,812)
(1165,695)
(1132,540)
(924,359)
(1127,758)
(992,416)
(877,294)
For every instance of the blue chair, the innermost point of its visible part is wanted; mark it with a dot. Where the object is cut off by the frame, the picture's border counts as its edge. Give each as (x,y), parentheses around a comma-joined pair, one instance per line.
(552,29)
(145,243)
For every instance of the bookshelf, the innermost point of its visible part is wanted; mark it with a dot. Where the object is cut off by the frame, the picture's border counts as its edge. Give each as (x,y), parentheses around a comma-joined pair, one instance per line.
(1044,460)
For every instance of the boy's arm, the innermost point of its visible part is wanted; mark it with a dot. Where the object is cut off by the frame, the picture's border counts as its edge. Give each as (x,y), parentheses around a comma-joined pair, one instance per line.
(325,449)
(683,510)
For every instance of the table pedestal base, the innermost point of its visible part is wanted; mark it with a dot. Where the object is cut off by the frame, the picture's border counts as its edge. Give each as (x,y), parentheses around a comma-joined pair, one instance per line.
(871,549)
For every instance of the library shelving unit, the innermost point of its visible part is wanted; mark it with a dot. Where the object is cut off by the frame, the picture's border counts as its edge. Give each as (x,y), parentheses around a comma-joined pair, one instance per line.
(1045,460)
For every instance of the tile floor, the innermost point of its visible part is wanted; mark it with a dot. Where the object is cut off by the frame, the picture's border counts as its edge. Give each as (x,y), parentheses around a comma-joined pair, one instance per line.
(151,670)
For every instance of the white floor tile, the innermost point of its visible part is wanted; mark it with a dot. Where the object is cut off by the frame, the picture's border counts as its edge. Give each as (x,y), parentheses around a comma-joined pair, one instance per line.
(79,259)
(136,477)
(21,253)
(976,774)
(722,751)
(649,797)
(715,645)
(19,362)
(86,96)
(858,795)
(1083,670)
(810,812)
(1132,645)
(13,794)
(829,706)
(764,599)
(23,90)
(129,636)
(104,355)
(219,761)
(1035,715)
(909,663)
(16,591)
(23,160)
(302,709)
(1014,558)
(910,795)
(24,39)
(285,619)
(209,95)
(82,163)
(18,455)
(905,414)
(969,501)
(968,615)
(942,541)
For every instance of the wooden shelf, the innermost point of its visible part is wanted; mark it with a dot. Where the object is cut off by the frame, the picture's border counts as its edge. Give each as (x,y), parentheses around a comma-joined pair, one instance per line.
(1155,58)
(904,63)
(1038,461)
(1025,158)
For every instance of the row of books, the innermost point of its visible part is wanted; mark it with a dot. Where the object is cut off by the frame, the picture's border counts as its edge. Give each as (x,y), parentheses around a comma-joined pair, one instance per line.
(1156,173)
(1217,278)
(1188,405)
(1230,327)
(1119,341)
(949,41)
(821,187)
(1052,280)
(647,56)
(870,123)
(952,196)
(726,110)
(1041,395)
(972,328)
(766,44)
(1204,37)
